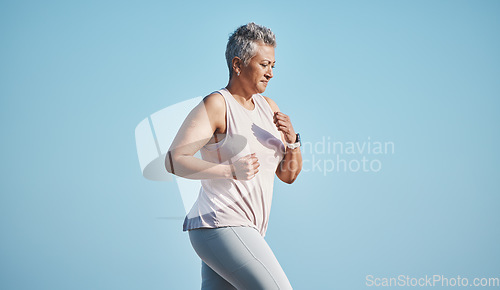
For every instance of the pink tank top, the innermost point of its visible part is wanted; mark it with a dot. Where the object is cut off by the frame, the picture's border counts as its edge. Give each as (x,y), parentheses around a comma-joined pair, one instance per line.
(229,202)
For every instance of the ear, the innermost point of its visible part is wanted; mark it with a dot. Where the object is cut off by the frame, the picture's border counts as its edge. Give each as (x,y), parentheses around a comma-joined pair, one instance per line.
(237,64)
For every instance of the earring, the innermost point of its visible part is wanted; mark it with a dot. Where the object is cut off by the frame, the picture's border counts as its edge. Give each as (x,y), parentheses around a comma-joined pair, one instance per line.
(238,73)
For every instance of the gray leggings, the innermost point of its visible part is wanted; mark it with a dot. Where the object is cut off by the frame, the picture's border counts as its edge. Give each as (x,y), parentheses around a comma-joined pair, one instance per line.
(237,258)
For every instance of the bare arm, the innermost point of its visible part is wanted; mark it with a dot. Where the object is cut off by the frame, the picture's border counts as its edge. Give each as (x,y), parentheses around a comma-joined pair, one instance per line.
(200,125)
(291,165)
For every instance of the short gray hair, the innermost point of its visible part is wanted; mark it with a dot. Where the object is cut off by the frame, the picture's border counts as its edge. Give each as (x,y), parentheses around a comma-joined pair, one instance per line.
(243,43)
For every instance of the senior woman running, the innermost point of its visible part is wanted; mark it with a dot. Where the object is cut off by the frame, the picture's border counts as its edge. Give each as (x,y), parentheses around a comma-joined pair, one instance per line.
(244,140)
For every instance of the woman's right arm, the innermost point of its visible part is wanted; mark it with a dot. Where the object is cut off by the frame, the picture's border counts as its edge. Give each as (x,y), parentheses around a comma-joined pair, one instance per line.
(198,128)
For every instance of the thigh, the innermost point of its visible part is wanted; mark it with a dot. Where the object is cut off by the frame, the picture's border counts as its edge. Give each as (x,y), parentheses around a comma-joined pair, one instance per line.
(210,280)
(241,256)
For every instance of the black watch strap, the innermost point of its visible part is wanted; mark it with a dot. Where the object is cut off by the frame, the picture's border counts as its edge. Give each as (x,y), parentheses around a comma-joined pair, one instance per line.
(297,138)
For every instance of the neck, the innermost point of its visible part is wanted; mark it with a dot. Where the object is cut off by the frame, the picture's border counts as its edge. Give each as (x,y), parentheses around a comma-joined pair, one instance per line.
(239,92)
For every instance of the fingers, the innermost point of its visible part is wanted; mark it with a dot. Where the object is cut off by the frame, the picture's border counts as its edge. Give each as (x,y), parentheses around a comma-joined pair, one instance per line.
(254,163)
(247,167)
(280,116)
(284,129)
(282,122)
(281,119)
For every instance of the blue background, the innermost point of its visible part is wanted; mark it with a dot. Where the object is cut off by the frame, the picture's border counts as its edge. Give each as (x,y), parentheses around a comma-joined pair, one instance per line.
(77,77)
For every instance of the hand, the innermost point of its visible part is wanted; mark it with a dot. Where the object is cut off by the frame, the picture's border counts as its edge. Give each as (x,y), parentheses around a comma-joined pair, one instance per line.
(284,125)
(246,167)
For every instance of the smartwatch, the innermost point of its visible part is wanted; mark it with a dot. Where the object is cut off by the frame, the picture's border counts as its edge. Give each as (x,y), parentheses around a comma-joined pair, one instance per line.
(296,144)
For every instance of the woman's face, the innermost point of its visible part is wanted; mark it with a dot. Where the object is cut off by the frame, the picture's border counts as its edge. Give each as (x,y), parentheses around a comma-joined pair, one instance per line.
(259,70)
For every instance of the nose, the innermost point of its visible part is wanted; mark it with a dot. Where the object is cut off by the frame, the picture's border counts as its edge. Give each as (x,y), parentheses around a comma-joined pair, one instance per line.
(269,73)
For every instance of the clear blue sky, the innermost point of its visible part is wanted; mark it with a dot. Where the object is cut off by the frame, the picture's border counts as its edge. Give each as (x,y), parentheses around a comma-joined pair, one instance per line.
(77,77)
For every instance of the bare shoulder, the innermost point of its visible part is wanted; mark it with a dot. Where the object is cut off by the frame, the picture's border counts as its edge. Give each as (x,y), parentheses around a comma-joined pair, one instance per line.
(272,104)
(215,107)
(215,102)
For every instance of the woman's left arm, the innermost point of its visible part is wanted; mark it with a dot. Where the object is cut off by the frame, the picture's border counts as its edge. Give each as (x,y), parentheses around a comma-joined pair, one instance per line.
(291,164)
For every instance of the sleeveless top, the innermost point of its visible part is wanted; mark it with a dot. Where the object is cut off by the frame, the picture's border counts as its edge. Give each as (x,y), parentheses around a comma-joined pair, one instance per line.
(229,202)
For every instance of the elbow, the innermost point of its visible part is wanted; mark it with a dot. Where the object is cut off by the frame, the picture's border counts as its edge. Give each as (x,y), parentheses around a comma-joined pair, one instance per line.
(292,178)
(288,176)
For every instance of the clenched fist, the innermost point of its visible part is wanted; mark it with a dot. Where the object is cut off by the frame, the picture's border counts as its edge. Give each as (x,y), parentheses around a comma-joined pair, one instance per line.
(246,167)
(283,123)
